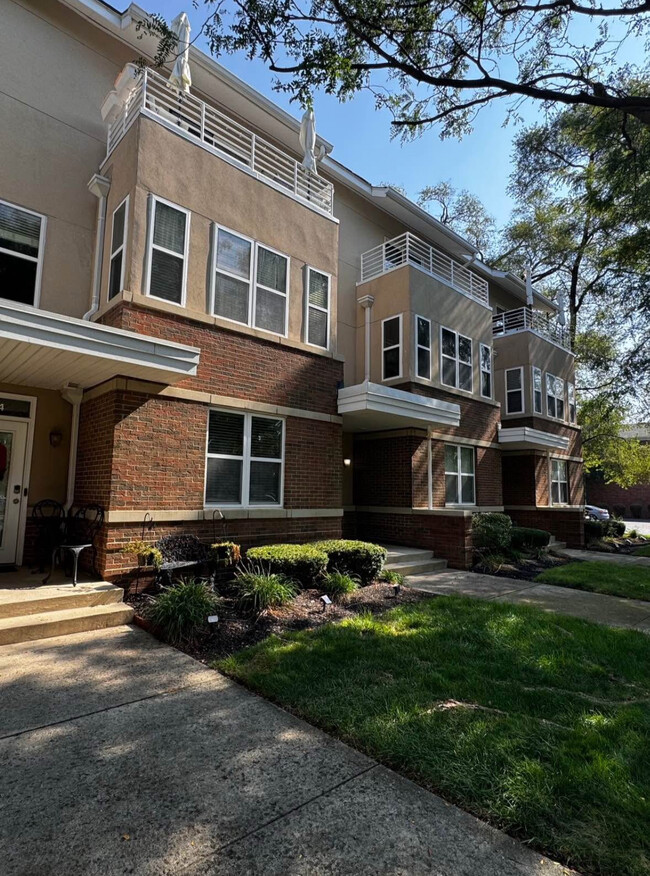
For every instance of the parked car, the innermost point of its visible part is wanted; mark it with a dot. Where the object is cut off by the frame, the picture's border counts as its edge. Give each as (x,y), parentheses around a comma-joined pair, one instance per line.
(592,512)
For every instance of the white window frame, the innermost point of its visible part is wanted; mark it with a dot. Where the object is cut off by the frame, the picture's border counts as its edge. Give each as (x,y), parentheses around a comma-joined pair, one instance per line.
(121,248)
(38,260)
(457,336)
(399,346)
(483,371)
(553,394)
(571,402)
(153,200)
(252,281)
(309,306)
(245,459)
(459,475)
(559,481)
(521,412)
(419,346)
(535,370)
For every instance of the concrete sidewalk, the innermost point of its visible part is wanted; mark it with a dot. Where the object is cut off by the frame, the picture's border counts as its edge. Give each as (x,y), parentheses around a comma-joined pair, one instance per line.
(610,610)
(121,755)
(603,557)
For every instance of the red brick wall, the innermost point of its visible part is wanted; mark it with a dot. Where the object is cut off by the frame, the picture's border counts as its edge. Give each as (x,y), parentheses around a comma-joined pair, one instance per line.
(608,495)
(566,526)
(478,420)
(382,470)
(526,480)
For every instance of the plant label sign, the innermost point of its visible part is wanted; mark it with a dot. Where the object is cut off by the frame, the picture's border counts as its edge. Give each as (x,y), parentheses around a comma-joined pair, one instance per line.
(213,619)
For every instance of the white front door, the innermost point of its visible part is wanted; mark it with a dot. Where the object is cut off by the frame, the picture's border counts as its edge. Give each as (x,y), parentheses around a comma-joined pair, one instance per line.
(13,442)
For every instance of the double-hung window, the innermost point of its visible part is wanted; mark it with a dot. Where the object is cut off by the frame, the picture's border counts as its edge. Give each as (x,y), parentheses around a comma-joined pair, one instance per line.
(245,459)
(571,396)
(486,371)
(22,241)
(559,482)
(391,347)
(537,390)
(456,360)
(460,486)
(514,390)
(423,347)
(169,232)
(118,246)
(317,300)
(554,396)
(250,282)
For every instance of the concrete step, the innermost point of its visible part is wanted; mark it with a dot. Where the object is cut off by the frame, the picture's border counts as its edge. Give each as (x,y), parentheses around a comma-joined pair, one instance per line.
(555,545)
(28,628)
(417,567)
(398,554)
(57,597)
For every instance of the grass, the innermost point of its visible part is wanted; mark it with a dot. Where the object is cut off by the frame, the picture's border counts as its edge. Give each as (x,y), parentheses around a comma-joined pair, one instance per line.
(632,582)
(643,551)
(536,722)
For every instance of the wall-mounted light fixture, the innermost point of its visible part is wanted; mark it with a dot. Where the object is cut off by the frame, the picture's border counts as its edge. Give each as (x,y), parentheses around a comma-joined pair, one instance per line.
(56,437)
(347,462)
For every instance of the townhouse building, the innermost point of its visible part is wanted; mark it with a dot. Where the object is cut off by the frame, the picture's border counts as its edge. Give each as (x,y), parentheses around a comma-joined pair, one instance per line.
(200,334)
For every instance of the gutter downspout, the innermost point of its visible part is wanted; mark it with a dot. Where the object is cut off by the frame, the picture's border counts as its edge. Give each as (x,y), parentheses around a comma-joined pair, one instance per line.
(98,186)
(73,395)
(366,302)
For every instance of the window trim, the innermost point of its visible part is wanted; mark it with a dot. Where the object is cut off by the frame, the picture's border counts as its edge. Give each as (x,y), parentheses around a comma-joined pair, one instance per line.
(533,369)
(417,346)
(551,480)
(38,259)
(121,248)
(572,414)
(520,369)
(399,346)
(459,475)
(246,460)
(326,311)
(153,199)
(562,398)
(252,281)
(483,371)
(457,336)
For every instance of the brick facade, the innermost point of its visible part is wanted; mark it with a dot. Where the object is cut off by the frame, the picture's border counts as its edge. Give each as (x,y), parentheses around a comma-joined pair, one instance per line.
(566,526)
(634,501)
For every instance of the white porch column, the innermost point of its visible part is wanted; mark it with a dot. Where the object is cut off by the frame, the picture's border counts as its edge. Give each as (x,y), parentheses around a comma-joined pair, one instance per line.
(73,395)
(366,302)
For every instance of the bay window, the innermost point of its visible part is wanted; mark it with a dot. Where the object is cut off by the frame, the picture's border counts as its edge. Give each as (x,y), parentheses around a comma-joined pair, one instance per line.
(554,396)
(460,487)
(22,240)
(456,360)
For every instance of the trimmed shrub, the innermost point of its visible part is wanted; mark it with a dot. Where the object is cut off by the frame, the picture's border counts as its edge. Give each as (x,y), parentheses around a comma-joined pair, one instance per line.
(336,585)
(616,528)
(619,510)
(636,511)
(525,537)
(594,530)
(390,577)
(359,559)
(181,612)
(491,532)
(258,590)
(304,563)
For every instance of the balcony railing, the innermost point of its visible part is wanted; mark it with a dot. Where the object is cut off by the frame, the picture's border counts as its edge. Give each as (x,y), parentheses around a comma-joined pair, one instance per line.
(525,318)
(407,249)
(220,134)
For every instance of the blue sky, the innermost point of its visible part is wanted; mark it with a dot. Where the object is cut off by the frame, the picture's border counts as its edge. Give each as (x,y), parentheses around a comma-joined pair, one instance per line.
(361,134)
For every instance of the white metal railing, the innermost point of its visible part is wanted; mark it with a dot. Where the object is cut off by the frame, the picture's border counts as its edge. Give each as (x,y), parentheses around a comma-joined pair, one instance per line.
(525,318)
(212,129)
(407,249)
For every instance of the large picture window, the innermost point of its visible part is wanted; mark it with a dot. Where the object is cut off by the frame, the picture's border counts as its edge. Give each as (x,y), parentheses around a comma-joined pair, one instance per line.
(559,482)
(317,294)
(118,246)
(168,248)
(456,360)
(423,347)
(460,486)
(245,459)
(391,347)
(22,241)
(514,390)
(554,397)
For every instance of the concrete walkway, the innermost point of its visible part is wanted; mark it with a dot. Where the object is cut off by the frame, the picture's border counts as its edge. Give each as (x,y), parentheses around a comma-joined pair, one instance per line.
(603,557)
(610,610)
(121,755)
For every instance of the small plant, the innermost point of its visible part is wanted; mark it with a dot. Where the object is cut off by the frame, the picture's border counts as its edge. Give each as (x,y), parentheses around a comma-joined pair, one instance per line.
(594,530)
(147,554)
(491,533)
(225,553)
(616,528)
(525,537)
(360,559)
(303,563)
(337,584)
(181,612)
(388,576)
(633,534)
(259,590)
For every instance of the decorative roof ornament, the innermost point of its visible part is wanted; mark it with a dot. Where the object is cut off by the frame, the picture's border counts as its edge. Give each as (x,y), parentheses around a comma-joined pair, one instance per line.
(180,78)
(308,140)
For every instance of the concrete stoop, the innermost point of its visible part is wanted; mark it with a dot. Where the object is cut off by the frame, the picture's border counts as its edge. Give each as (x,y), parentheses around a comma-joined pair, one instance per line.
(44,612)
(555,545)
(412,561)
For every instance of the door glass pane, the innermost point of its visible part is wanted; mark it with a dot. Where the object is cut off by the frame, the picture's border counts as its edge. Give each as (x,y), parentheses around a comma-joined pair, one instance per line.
(169,228)
(166,276)
(226,433)
(271,269)
(223,481)
(270,310)
(233,254)
(266,438)
(6,439)
(265,483)
(231,298)
(19,231)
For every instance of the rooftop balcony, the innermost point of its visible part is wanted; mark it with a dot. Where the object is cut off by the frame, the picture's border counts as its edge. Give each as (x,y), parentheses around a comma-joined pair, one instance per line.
(407,249)
(526,319)
(212,130)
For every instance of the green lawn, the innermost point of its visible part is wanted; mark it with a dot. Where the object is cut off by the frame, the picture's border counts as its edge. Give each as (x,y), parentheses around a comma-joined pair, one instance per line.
(643,551)
(617,580)
(536,722)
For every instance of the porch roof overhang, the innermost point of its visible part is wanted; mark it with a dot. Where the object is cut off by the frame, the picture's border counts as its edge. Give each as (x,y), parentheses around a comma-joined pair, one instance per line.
(371,407)
(527,438)
(49,350)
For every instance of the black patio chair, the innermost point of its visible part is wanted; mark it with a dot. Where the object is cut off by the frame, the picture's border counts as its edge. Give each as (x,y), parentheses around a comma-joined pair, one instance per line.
(81,533)
(48,517)
(179,552)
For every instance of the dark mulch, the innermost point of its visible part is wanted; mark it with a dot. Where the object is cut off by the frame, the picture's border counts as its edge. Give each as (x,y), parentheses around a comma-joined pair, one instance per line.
(526,569)
(234,632)
(617,545)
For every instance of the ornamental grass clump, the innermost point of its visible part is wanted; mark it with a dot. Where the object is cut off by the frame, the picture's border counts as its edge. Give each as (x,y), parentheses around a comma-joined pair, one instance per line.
(259,590)
(388,576)
(337,585)
(181,612)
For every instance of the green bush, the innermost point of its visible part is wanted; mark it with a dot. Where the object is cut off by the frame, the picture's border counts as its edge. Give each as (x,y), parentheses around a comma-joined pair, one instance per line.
(594,530)
(303,563)
(181,612)
(491,532)
(336,584)
(390,577)
(360,559)
(525,537)
(258,590)
(616,528)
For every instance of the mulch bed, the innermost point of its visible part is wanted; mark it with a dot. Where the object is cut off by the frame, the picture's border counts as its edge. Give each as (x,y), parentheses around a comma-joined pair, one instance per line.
(617,545)
(234,632)
(526,569)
